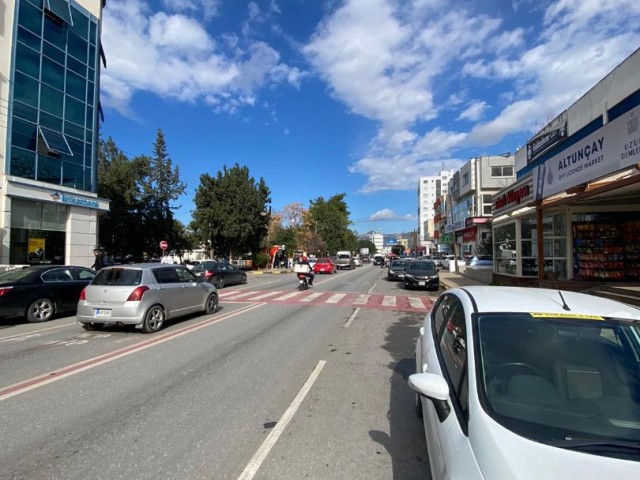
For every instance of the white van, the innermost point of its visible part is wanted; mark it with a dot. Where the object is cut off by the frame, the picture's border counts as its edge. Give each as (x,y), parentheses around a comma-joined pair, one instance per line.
(344,260)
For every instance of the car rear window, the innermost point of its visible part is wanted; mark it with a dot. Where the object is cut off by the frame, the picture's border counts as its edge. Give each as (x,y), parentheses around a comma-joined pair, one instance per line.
(14,275)
(118,276)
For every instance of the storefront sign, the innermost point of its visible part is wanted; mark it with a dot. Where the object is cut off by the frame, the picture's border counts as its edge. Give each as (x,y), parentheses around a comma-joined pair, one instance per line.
(543,142)
(83,202)
(470,235)
(521,192)
(446,239)
(612,147)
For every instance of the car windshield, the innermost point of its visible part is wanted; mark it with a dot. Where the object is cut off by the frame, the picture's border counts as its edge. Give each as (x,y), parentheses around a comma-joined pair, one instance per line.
(343,256)
(397,264)
(427,268)
(552,377)
(118,276)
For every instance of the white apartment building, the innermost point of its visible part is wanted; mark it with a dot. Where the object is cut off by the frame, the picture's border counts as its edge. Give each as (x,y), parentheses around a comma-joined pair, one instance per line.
(429,189)
(377,239)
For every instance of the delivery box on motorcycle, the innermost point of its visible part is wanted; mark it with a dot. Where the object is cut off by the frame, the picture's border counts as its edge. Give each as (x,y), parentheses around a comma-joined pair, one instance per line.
(301,268)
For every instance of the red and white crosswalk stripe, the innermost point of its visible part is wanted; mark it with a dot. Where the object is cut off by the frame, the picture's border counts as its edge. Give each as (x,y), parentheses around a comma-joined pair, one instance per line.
(342,299)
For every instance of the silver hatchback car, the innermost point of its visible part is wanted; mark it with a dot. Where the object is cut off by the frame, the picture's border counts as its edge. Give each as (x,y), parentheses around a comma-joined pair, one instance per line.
(144,295)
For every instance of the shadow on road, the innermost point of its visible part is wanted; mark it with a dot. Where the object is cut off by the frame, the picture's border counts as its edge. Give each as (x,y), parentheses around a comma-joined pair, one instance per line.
(405,443)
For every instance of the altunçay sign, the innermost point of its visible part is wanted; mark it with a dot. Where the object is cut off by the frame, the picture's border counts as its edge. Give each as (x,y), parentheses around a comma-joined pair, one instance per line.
(612,147)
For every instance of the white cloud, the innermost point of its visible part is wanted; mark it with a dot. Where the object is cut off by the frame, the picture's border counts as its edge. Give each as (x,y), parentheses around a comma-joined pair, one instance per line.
(474,111)
(387,214)
(205,8)
(173,56)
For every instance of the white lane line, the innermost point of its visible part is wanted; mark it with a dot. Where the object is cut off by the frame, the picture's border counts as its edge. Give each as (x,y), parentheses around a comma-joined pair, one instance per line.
(335,298)
(64,372)
(352,317)
(233,296)
(361,299)
(287,296)
(254,464)
(312,296)
(265,295)
(36,332)
(415,302)
(389,301)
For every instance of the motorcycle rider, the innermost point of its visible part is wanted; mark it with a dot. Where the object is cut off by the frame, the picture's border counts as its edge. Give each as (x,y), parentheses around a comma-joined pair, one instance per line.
(302,260)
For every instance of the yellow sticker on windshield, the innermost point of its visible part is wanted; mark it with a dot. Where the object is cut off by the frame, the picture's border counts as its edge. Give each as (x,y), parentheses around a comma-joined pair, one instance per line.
(581,316)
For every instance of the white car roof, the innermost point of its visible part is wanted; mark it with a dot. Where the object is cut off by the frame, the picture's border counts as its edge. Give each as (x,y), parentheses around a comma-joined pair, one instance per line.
(529,299)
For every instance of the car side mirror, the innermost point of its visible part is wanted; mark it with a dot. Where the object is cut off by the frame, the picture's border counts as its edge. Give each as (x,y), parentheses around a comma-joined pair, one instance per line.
(435,388)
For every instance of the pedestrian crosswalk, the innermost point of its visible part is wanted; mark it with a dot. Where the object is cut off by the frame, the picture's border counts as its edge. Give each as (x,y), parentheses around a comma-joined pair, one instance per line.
(341,299)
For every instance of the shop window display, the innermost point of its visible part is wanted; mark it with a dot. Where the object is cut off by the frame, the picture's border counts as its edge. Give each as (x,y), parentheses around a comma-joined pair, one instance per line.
(607,250)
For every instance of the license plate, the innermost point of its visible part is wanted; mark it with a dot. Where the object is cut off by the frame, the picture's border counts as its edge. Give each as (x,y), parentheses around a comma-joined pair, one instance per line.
(102,312)
(422,284)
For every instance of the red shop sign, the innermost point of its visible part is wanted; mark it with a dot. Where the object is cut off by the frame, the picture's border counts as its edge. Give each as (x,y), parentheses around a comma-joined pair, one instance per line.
(470,235)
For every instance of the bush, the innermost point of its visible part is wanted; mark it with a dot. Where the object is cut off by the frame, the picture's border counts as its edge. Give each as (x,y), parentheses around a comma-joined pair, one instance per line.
(260,260)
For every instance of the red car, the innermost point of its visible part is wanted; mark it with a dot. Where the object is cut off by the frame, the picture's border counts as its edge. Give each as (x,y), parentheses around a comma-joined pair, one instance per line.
(324,265)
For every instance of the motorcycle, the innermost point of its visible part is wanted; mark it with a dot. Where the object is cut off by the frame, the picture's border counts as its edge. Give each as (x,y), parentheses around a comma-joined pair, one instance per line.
(303,281)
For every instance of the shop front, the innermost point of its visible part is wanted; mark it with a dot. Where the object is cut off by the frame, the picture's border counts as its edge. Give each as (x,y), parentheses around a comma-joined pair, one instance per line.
(43,225)
(575,217)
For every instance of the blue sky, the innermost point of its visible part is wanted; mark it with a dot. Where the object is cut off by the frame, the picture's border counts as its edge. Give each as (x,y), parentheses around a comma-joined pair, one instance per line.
(362,97)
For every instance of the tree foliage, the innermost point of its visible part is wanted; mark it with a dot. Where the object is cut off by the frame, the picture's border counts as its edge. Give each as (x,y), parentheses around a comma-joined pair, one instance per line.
(232,211)
(330,220)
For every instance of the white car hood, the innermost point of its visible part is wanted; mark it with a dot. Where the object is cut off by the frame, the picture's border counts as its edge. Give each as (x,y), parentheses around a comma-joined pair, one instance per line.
(504,455)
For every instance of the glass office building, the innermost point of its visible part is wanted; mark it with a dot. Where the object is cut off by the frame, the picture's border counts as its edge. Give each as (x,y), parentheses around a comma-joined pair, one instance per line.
(50,103)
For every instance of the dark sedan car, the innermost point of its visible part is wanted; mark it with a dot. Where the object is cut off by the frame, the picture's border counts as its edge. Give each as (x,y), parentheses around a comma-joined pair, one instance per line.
(40,292)
(220,273)
(395,271)
(421,274)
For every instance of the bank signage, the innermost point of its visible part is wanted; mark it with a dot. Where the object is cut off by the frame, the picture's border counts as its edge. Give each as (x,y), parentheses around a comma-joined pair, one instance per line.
(543,142)
(71,200)
(612,147)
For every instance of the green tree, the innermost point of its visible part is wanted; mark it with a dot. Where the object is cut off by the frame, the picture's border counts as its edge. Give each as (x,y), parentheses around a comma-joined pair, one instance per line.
(232,211)
(330,220)
(160,186)
(367,244)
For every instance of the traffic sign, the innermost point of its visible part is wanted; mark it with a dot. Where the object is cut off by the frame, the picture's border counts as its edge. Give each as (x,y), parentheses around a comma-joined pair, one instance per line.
(164,245)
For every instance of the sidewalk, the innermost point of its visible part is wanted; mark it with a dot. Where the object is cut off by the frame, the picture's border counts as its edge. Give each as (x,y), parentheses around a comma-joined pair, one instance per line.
(453,280)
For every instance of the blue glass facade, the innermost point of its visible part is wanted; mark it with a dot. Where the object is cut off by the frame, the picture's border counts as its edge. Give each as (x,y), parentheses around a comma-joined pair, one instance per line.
(53,108)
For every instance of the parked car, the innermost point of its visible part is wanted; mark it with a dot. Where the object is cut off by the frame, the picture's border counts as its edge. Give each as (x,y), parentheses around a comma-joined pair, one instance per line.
(357,261)
(421,274)
(145,295)
(439,261)
(324,265)
(395,270)
(480,261)
(38,293)
(529,383)
(220,273)
(449,258)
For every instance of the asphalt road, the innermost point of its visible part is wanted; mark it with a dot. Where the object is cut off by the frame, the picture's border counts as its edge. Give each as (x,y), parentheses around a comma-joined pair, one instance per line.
(278,384)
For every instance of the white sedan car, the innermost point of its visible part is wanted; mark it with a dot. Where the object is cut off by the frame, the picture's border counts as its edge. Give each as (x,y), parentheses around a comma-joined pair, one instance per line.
(529,384)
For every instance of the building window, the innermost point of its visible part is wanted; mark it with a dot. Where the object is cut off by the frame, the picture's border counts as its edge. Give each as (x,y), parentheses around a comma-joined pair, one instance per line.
(504,249)
(465,179)
(554,243)
(502,171)
(55,72)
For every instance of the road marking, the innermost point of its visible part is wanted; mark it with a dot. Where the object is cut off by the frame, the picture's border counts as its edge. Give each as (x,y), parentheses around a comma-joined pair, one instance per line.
(265,295)
(311,297)
(415,302)
(64,372)
(35,332)
(352,317)
(254,464)
(287,296)
(361,299)
(237,295)
(389,301)
(335,298)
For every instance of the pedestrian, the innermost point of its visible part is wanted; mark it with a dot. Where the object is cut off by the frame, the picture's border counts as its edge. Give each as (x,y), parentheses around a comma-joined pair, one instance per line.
(98,260)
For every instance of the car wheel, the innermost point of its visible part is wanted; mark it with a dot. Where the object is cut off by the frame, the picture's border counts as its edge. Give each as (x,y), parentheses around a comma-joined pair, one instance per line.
(40,311)
(90,327)
(243,279)
(407,286)
(153,319)
(212,304)
(219,283)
